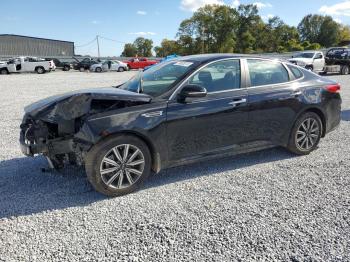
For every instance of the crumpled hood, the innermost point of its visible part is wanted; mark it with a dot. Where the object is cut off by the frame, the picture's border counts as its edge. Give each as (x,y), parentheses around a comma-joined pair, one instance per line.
(77,103)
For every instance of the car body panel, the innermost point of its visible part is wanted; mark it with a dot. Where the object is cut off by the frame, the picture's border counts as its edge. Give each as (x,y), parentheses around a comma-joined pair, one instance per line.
(181,131)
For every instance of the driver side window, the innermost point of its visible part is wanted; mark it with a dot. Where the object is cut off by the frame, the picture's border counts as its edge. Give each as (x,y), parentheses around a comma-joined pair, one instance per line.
(219,76)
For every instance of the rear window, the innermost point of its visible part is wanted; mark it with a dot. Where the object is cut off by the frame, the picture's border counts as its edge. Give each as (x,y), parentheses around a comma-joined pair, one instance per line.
(265,72)
(296,71)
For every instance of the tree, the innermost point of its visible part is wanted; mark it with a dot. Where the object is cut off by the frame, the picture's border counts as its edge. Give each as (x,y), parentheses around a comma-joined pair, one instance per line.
(168,47)
(210,29)
(143,46)
(344,33)
(129,50)
(247,24)
(319,29)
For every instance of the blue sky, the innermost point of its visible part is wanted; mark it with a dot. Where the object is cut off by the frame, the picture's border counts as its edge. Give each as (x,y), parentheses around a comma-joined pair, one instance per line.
(81,20)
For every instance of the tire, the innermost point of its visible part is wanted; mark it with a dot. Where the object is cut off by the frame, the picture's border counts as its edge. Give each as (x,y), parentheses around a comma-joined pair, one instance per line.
(4,71)
(81,69)
(311,131)
(40,70)
(66,68)
(310,68)
(98,69)
(121,69)
(344,70)
(118,182)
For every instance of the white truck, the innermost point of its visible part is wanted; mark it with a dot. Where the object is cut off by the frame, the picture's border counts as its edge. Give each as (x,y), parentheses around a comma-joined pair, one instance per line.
(311,60)
(26,64)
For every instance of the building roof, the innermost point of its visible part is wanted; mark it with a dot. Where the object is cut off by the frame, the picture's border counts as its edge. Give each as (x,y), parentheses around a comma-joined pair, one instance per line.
(38,38)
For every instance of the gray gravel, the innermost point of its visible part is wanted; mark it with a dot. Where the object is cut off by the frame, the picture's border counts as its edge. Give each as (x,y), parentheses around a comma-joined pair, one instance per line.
(268,205)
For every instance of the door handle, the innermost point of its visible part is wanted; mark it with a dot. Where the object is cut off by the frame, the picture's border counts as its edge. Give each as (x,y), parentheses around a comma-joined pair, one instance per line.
(237,102)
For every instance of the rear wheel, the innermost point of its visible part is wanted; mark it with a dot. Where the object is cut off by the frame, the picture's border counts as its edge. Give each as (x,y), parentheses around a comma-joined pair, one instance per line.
(118,165)
(344,70)
(121,69)
(40,70)
(66,68)
(306,134)
(98,69)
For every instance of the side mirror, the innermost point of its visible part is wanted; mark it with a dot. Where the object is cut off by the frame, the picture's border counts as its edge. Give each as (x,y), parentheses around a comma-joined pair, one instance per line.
(192,91)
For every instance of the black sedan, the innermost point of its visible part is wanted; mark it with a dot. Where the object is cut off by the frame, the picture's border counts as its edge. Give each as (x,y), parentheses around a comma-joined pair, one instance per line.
(190,109)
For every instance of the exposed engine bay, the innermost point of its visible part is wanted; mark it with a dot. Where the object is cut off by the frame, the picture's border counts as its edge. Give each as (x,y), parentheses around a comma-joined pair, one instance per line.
(49,126)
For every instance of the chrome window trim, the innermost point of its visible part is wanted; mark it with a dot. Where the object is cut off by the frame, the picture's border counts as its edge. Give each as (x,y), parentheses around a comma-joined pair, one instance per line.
(244,75)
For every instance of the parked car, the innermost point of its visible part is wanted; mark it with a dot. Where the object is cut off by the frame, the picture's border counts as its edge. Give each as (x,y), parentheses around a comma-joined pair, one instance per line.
(139,63)
(61,64)
(85,64)
(26,64)
(311,60)
(185,110)
(109,65)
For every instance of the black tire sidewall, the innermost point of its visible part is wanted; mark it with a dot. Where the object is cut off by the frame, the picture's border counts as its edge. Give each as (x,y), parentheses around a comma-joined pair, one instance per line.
(96,154)
(2,72)
(98,69)
(292,143)
(38,70)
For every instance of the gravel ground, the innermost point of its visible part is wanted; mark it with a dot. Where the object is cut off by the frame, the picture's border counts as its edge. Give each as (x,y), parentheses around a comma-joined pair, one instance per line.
(268,205)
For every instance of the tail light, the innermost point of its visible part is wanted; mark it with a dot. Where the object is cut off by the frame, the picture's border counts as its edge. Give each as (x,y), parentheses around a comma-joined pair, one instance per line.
(333,88)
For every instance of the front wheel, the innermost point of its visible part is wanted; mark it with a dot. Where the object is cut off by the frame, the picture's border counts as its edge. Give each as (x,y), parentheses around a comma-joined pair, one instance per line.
(98,69)
(119,165)
(306,134)
(4,71)
(121,69)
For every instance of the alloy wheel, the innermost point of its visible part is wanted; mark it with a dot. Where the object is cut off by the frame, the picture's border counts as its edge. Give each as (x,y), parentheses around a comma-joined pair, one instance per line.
(307,134)
(122,166)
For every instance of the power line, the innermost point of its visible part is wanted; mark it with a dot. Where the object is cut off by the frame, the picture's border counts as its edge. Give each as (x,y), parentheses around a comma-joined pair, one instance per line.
(109,39)
(89,43)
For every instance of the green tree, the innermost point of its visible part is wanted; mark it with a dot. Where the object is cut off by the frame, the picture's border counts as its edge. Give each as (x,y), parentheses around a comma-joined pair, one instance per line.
(319,29)
(129,50)
(143,46)
(247,23)
(210,29)
(168,47)
(344,33)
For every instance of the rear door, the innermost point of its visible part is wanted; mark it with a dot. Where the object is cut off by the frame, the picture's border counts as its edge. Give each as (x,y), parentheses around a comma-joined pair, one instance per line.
(274,100)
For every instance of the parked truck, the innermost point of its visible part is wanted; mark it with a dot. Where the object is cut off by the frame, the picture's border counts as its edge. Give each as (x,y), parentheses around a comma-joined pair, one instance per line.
(26,64)
(139,63)
(336,60)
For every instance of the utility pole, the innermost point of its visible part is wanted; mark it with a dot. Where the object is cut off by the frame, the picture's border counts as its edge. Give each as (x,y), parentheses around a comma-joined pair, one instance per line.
(98,46)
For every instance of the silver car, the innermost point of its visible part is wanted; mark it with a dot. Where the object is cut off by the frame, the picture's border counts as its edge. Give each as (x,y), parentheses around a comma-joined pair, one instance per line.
(109,65)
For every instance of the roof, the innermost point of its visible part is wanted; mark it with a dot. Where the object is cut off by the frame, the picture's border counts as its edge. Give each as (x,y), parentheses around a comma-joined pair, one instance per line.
(38,38)
(204,58)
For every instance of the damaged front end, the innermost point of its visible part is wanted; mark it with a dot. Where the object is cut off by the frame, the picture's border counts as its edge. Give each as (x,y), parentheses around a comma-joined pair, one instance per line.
(49,126)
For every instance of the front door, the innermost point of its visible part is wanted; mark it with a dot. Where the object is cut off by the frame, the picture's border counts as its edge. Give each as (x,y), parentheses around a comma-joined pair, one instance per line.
(213,124)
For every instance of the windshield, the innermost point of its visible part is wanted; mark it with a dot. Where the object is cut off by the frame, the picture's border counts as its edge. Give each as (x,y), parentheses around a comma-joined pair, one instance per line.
(304,55)
(159,78)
